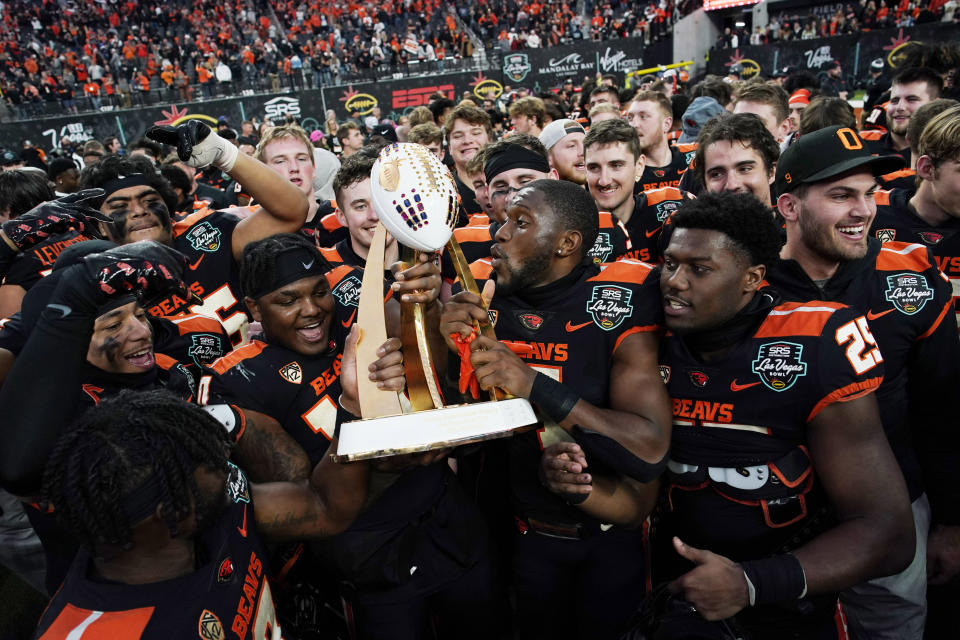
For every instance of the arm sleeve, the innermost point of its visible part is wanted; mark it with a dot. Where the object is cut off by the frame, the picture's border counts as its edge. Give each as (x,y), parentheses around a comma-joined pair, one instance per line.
(40,395)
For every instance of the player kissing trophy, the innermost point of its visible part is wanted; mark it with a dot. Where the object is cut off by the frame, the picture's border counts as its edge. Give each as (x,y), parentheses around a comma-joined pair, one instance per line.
(417,202)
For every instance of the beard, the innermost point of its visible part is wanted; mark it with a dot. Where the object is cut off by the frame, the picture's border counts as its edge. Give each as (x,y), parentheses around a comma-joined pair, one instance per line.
(822,241)
(527,275)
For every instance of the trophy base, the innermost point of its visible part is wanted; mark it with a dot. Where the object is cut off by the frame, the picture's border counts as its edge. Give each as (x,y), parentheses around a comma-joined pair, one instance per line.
(434,429)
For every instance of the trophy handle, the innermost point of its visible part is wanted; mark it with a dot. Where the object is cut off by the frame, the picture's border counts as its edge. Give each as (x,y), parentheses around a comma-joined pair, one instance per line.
(374,402)
(423,388)
(469,284)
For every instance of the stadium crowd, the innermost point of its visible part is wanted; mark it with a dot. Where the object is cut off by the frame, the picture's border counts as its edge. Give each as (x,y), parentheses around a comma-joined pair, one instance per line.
(731,303)
(850,18)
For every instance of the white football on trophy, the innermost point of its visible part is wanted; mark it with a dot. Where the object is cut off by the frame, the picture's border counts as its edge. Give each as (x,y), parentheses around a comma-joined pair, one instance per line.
(414,196)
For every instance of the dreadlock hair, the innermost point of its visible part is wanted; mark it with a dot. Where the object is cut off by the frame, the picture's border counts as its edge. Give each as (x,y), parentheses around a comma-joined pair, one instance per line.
(259,263)
(117,446)
(111,167)
(746,222)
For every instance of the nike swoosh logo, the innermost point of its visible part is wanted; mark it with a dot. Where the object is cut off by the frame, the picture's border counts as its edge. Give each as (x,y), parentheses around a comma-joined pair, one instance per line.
(573,327)
(349,321)
(740,387)
(650,234)
(193,267)
(62,308)
(307,265)
(243,529)
(871,316)
(606,527)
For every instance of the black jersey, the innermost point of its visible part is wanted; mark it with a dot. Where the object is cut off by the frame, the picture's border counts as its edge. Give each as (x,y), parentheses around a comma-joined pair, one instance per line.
(227,596)
(206,239)
(903,179)
(740,482)
(192,340)
(651,209)
(667,176)
(908,302)
(468,201)
(30,266)
(897,221)
(574,326)
(880,143)
(325,229)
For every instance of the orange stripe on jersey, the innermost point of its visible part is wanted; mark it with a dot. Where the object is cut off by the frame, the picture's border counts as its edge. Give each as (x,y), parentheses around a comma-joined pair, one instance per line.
(477,220)
(686,147)
(196,322)
(871,134)
(606,220)
(238,355)
(335,275)
(78,624)
(631,331)
(902,173)
(850,392)
(623,271)
(936,323)
(797,319)
(481,269)
(330,254)
(330,221)
(882,196)
(898,256)
(164,361)
(179,228)
(656,196)
(472,234)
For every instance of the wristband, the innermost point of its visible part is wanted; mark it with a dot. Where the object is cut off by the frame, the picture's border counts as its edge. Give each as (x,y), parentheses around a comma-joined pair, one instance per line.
(227,157)
(775,579)
(554,399)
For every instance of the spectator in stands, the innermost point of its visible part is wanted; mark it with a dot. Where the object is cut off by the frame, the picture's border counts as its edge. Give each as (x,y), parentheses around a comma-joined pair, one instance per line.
(527,115)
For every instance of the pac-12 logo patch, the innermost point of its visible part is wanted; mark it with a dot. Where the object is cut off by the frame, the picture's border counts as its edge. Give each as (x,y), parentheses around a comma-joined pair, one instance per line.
(204,348)
(665,373)
(665,209)
(347,291)
(779,364)
(886,235)
(209,627)
(601,249)
(204,237)
(492,314)
(908,292)
(291,372)
(610,306)
(237,487)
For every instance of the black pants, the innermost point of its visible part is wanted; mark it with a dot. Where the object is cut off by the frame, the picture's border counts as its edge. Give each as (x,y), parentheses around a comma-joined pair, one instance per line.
(578,588)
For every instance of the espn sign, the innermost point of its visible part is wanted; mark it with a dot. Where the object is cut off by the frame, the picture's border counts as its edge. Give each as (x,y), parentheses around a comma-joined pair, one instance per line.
(416,97)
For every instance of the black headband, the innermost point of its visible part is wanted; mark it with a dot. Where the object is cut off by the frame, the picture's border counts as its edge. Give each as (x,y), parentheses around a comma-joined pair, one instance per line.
(514,157)
(122,182)
(142,502)
(292,264)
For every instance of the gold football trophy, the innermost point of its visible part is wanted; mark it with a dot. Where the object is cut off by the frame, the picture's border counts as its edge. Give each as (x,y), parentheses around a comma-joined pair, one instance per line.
(416,200)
